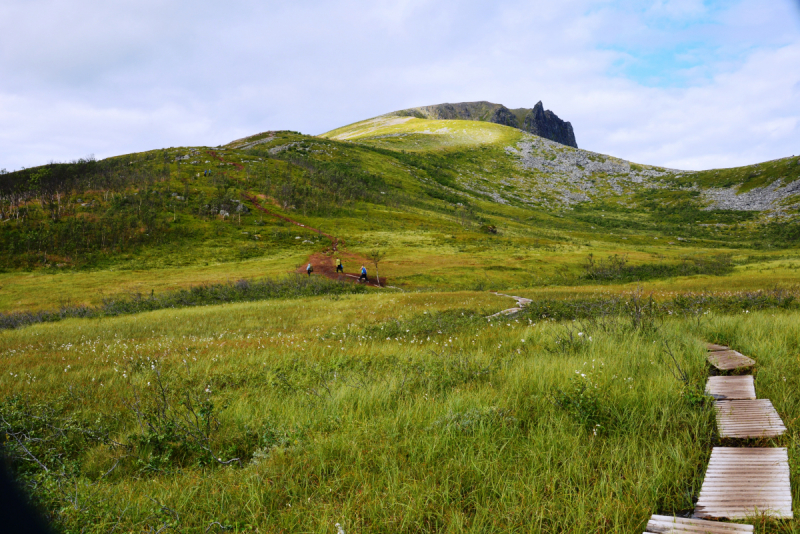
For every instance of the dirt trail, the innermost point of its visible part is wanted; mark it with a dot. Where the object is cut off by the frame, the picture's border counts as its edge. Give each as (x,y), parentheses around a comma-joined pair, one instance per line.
(324,265)
(213,154)
(323,262)
(334,240)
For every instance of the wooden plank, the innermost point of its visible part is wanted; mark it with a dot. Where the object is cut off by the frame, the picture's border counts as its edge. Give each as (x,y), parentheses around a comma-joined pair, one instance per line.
(751,451)
(660,524)
(745,482)
(728,360)
(731,387)
(714,347)
(748,419)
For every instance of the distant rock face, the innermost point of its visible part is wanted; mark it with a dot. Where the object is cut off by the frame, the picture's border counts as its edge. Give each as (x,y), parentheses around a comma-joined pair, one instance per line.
(504,116)
(537,120)
(547,124)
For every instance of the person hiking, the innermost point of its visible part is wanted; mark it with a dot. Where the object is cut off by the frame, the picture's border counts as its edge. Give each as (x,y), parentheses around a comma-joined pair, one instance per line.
(339,267)
(363,274)
(309,269)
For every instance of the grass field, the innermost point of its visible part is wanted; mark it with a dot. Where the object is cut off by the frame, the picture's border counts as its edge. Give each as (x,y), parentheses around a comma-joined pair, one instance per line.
(451,423)
(398,409)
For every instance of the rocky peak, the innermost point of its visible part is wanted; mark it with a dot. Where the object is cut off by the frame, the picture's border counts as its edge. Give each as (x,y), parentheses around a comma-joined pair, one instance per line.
(536,120)
(547,124)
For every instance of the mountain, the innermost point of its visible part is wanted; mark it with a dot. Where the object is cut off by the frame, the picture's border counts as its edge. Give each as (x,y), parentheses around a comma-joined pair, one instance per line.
(538,172)
(536,120)
(429,190)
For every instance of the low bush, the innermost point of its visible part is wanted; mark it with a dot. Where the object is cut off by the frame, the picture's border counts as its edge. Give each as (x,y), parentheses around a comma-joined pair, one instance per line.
(616,268)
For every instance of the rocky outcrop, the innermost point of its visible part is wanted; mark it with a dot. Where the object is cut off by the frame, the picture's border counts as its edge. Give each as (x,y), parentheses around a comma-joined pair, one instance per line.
(547,124)
(775,197)
(536,120)
(504,116)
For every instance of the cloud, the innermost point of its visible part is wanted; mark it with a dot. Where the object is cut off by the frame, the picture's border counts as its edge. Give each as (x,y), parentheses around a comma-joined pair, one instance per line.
(684,83)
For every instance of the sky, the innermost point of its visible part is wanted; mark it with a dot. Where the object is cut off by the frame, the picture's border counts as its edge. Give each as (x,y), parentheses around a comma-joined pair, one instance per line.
(687,84)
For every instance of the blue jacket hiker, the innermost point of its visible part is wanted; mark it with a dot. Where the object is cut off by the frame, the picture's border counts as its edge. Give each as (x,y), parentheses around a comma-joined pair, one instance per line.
(309,269)
(363,274)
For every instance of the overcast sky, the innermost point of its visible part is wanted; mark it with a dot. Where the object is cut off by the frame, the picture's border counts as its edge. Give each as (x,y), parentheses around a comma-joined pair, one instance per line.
(689,84)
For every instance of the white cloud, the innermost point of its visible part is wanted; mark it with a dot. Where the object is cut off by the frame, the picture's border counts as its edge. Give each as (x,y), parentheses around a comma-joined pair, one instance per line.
(88,77)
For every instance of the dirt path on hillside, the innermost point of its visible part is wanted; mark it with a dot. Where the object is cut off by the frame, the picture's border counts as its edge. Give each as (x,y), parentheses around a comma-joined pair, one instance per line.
(335,242)
(324,262)
(213,154)
(325,265)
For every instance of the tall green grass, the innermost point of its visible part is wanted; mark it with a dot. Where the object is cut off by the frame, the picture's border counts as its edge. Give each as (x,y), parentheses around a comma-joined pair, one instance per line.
(339,416)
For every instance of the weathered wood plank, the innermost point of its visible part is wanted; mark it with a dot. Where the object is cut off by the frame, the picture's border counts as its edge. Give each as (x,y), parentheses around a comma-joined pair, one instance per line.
(744,482)
(714,347)
(660,524)
(731,387)
(728,360)
(748,419)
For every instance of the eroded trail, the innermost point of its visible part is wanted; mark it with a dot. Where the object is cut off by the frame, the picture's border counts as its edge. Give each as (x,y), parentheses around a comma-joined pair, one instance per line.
(257,204)
(324,262)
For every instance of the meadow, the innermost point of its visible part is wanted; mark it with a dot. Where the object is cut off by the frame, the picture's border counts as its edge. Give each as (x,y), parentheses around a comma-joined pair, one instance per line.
(294,415)
(166,369)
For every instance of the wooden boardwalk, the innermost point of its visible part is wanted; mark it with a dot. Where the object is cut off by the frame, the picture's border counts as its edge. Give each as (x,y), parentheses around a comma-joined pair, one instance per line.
(665,524)
(740,482)
(745,482)
(728,360)
(748,419)
(731,387)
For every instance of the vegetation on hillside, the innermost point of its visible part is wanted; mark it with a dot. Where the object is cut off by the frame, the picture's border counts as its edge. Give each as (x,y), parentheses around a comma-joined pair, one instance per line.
(163,373)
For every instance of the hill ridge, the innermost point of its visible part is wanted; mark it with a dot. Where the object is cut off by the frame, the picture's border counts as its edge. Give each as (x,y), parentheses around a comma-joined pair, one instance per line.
(535,120)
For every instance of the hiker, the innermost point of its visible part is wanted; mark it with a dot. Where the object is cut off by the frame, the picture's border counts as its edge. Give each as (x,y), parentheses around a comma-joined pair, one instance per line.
(363,274)
(339,267)
(309,269)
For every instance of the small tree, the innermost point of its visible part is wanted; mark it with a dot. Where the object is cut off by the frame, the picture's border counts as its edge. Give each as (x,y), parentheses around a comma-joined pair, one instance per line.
(375,257)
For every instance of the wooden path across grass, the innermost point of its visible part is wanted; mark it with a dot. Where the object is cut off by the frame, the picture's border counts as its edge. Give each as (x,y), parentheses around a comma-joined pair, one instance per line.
(662,524)
(748,419)
(743,481)
(522,302)
(731,387)
(740,482)
(729,360)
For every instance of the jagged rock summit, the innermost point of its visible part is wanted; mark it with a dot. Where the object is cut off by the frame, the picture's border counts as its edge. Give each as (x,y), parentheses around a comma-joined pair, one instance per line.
(536,120)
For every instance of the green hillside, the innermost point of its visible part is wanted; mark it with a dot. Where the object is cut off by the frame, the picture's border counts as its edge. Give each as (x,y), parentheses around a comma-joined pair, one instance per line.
(170,367)
(455,204)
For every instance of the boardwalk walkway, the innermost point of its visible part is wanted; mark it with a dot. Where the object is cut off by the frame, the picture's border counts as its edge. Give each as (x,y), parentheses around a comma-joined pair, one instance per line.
(664,524)
(748,419)
(731,387)
(521,303)
(740,482)
(729,360)
(743,481)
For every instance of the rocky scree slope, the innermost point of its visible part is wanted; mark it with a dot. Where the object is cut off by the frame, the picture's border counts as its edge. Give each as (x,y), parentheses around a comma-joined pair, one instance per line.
(551,175)
(536,120)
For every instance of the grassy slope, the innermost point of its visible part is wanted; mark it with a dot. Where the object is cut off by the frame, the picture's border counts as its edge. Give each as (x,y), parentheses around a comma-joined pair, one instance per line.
(425,432)
(432,241)
(446,423)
